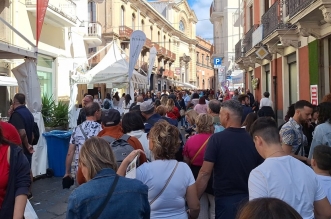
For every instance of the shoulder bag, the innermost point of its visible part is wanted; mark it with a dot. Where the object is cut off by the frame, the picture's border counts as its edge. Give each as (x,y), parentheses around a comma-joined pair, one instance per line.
(165,186)
(81,129)
(98,212)
(198,152)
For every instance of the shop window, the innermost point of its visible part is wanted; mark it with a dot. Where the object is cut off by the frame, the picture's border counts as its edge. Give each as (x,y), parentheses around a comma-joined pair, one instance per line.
(45,76)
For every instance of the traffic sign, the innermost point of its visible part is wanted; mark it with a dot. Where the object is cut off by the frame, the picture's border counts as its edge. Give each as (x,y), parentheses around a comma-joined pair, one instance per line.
(217,62)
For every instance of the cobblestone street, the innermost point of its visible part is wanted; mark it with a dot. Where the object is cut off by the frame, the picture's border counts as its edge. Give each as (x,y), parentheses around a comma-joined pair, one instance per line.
(49,199)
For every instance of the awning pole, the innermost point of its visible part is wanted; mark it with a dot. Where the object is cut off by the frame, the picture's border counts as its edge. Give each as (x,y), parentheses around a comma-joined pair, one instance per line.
(18,33)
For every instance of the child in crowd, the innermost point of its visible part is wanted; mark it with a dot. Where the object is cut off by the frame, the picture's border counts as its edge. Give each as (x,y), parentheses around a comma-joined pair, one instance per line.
(321,163)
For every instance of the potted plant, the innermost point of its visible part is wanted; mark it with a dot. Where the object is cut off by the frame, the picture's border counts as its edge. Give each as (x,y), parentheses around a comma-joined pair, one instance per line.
(55,115)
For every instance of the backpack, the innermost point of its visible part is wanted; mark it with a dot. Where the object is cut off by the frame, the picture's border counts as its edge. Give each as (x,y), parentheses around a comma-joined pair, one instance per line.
(36,134)
(120,147)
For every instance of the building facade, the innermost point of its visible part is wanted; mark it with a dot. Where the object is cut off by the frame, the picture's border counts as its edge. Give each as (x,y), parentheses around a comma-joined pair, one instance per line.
(205,70)
(286,50)
(224,15)
(169,27)
(63,43)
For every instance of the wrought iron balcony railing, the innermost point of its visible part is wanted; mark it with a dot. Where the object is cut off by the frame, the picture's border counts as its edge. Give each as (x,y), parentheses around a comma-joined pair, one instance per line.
(248,38)
(237,51)
(295,6)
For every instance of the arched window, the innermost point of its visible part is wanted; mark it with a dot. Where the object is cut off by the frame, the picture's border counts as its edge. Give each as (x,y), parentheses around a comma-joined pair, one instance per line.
(142,25)
(181,26)
(92,12)
(133,21)
(151,33)
(158,37)
(122,15)
(164,41)
(169,46)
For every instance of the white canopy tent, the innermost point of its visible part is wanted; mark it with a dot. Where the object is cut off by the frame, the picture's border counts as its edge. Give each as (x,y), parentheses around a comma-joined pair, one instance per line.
(183,84)
(8,81)
(112,70)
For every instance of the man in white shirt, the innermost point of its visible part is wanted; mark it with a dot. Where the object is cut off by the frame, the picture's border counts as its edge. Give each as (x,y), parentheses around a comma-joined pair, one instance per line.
(284,177)
(265,101)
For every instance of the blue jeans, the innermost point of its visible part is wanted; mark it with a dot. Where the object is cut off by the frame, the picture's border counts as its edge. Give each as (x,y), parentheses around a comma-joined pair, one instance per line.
(182,120)
(226,207)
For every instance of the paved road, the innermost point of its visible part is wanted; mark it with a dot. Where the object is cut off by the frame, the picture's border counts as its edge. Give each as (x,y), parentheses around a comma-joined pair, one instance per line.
(49,199)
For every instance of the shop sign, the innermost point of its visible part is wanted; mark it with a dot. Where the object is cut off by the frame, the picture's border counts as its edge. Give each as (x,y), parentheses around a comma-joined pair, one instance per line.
(314,94)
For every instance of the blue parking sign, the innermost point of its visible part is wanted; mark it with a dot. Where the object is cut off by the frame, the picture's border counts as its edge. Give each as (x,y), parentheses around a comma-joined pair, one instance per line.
(217,61)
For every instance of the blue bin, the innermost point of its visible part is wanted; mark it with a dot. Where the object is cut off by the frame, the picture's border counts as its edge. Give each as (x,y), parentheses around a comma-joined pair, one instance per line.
(57,149)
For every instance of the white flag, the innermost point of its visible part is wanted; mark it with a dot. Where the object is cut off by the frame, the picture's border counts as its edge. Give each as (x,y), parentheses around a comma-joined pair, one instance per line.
(137,42)
(152,56)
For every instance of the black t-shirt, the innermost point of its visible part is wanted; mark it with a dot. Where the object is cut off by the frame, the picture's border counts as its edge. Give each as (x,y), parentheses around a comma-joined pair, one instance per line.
(17,121)
(234,156)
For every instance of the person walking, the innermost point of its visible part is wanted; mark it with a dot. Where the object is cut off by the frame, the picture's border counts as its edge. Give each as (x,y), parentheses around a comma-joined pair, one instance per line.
(230,155)
(105,194)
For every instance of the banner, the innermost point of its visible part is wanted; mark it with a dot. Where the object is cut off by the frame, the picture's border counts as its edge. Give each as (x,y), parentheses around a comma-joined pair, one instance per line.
(152,56)
(137,42)
(41,11)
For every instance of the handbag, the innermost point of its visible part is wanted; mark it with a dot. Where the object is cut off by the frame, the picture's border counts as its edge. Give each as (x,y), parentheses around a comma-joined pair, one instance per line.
(198,152)
(98,212)
(165,186)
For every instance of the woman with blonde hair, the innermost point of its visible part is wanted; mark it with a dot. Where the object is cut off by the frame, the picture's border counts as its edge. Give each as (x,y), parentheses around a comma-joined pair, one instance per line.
(190,117)
(194,151)
(172,110)
(105,194)
(164,100)
(170,182)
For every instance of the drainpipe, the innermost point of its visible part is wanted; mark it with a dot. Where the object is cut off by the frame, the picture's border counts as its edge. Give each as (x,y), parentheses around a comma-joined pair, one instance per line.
(274,77)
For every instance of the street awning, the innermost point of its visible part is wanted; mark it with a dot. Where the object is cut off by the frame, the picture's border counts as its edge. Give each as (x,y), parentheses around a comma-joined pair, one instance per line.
(183,84)
(8,81)
(8,51)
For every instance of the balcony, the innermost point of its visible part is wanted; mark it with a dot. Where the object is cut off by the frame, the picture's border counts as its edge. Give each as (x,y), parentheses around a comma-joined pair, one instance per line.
(166,73)
(59,13)
(216,11)
(248,38)
(295,6)
(171,74)
(148,43)
(157,46)
(168,54)
(125,32)
(173,56)
(162,51)
(95,60)
(93,36)
(237,51)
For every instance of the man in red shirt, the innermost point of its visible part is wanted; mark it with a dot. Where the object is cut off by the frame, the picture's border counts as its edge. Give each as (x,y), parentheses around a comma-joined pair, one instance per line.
(10,133)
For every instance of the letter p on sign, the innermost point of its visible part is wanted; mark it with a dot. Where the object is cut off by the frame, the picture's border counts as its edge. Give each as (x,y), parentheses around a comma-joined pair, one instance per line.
(217,62)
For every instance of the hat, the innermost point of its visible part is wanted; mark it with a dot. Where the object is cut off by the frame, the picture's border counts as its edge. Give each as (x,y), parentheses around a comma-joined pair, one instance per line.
(110,117)
(146,106)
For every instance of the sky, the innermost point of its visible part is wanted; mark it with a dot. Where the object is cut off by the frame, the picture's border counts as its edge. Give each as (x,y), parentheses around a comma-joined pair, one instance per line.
(204,27)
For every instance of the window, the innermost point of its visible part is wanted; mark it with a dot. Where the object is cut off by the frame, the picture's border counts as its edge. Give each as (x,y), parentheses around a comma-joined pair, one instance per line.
(158,37)
(164,41)
(266,5)
(197,57)
(181,26)
(152,34)
(92,12)
(203,58)
(45,76)
(169,46)
(251,16)
(142,25)
(122,15)
(267,78)
(292,77)
(133,21)
(92,50)
(207,59)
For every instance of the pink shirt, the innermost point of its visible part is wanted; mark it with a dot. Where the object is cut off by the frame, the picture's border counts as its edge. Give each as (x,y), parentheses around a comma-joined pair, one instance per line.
(193,145)
(201,108)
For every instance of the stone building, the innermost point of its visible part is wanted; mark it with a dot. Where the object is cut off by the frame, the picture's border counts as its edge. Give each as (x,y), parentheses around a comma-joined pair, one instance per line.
(286,50)
(205,70)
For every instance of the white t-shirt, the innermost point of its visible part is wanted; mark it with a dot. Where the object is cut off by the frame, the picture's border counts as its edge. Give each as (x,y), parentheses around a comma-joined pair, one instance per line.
(265,102)
(171,204)
(287,179)
(325,182)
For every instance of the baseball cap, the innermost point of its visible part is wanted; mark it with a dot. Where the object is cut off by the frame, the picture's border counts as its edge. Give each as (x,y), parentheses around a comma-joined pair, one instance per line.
(146,106)
(110,117)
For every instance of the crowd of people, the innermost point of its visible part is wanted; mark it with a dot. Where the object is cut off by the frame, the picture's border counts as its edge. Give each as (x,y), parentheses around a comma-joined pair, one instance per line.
(200,154)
